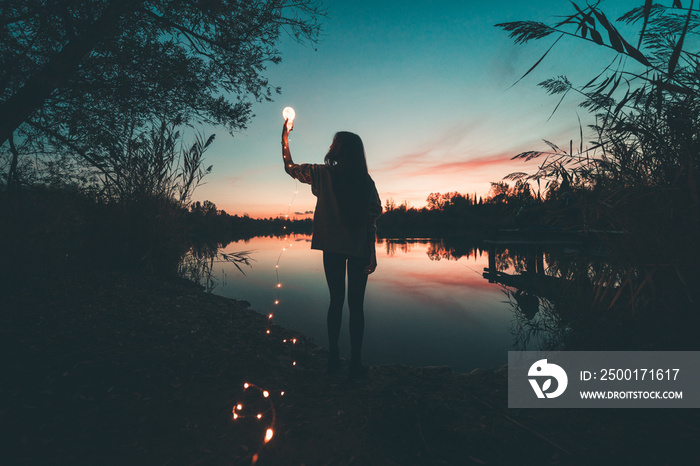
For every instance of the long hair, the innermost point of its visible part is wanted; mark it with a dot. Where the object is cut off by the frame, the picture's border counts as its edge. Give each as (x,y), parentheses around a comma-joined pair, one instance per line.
(349,175)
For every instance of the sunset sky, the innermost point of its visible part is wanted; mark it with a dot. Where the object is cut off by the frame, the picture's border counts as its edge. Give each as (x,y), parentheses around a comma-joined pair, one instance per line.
(426,84)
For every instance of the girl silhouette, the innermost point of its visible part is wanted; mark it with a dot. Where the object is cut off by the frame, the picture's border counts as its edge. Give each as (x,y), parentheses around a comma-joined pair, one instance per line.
(347,207)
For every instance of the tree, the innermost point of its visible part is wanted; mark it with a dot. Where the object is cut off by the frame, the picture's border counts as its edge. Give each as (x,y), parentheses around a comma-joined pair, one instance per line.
(81,74)
(455,200)
(499,193)
(435,201)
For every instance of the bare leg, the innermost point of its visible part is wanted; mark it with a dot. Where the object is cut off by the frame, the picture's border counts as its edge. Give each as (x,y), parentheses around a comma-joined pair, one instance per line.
(357,283)
(334,268)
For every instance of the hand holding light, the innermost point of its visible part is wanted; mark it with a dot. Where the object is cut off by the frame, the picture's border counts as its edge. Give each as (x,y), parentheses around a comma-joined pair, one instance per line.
(288,114)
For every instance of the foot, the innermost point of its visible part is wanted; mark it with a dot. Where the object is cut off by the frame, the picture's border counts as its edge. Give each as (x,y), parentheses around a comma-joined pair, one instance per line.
(357,371)
(333,365)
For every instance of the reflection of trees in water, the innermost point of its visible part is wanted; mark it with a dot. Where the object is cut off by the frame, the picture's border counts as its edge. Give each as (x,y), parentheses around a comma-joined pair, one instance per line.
(536,323)
(438,249)
(452,249)
(394,246)
(508,259)
(198,263)
(582,302)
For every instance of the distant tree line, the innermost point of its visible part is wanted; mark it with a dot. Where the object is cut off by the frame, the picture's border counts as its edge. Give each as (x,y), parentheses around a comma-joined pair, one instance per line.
(207,223)
(505,206)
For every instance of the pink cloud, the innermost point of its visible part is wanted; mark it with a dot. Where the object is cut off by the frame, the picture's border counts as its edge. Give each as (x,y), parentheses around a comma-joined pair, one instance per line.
(447,156)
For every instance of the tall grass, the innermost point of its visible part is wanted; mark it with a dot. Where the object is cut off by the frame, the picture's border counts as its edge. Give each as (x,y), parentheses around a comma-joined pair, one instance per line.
(130,215)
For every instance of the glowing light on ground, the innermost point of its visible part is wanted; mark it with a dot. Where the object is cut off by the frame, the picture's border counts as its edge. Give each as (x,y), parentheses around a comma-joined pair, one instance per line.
(269,413)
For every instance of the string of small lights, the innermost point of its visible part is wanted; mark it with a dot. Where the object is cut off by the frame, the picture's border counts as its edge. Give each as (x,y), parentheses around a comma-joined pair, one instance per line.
(279,257)
(288,114)
(238,409)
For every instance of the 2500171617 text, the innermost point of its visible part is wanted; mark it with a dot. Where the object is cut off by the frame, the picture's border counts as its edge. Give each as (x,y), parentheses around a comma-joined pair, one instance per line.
(630,374)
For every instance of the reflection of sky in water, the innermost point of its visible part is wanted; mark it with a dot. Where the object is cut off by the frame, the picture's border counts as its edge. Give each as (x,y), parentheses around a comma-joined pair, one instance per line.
(417,311)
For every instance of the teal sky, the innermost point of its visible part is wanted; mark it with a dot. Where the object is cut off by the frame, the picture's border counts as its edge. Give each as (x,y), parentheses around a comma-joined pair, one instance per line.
(426,84)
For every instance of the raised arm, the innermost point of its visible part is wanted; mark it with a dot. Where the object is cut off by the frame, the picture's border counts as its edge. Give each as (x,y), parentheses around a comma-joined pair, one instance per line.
(286,154)
(300,172)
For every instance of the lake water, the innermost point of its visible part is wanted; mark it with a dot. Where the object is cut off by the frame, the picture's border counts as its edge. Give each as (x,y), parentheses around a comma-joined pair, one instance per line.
(424,305)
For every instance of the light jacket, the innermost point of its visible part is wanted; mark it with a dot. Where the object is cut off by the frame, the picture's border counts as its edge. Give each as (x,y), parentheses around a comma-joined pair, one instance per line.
(330,234)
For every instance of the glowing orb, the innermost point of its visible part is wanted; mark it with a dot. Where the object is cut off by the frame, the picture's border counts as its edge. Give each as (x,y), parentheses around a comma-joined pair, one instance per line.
(289,114)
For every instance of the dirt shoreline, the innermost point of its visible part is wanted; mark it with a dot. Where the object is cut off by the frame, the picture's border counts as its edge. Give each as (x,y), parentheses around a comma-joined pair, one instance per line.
(118,369)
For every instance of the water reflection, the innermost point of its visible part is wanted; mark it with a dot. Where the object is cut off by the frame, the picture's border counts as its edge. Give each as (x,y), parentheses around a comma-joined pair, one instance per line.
(418,310)
(437,248)
(199,262)
(456,302)
(580,297)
